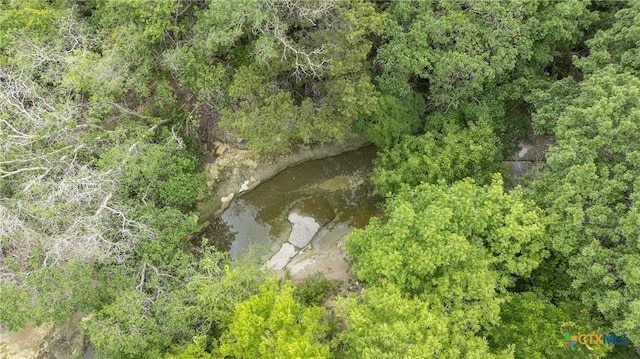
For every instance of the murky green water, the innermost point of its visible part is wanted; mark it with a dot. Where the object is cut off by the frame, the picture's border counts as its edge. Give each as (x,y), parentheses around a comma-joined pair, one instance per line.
(335,191)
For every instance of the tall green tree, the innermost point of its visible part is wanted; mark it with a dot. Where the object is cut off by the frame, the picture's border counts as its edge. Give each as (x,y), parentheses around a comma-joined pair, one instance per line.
(169,303)
(299,70)
(459,247)
(454,51)
(392,119)
(535,327)
(384,323)
(125,55)
(617,44)
(590,191)
(272,324)
(449,155)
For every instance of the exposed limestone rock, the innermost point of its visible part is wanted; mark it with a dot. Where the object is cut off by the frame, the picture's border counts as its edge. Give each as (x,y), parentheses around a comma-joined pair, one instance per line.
(519,168)
(279,260)
(328,260)
(220,149)
(530,154)
(534,150)
(244,187)
(303,229)
(230,170)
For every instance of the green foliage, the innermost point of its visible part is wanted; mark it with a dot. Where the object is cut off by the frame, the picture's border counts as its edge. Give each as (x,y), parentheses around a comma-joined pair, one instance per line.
(160,173)
(214,291)
(131,36)
(123,329)
(618,44)
(86,222)
(171,180)
(590,192)
(456,246)
(195,72)
(392,119)
(192,351)
(171,306)
(550,101)
(535,327)
(385,324)
(267,116)
(551,277)
(315,290)
(223,23)
(272,325)
(454,51)
(433,228)
(291,86)
(166,247)
(95,190)
(47,295)
(451,155)
(32,19)
(219,286)
(93,185)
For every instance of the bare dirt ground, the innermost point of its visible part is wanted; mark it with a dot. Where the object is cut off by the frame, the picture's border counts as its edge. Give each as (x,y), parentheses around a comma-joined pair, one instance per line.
(24,343)
(43,342)
(331,263)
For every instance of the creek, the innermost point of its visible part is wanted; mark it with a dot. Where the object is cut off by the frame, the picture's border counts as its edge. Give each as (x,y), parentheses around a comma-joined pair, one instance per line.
(310,205)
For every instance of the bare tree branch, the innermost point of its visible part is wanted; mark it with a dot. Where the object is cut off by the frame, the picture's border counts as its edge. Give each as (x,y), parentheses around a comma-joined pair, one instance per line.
(7,174)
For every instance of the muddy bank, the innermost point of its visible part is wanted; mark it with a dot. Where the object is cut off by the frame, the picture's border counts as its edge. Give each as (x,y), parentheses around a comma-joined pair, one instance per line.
(44,342)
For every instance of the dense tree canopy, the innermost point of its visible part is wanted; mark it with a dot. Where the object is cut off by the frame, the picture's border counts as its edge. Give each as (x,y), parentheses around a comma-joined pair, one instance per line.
(451,155)
(108,106)
(296,71)
(530,323)
(590,190)
(455,50)
(272,325)
(617,44)
(388,325)
(457,247)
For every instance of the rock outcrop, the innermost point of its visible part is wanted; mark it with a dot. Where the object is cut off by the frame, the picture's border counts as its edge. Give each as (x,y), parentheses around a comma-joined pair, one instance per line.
(237,171)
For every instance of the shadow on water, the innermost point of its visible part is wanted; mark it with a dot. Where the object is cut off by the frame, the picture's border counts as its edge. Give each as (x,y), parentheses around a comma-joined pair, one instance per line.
(335,191)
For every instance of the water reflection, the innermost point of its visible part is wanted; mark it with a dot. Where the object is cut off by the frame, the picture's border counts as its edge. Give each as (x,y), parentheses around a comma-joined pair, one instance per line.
(335,191)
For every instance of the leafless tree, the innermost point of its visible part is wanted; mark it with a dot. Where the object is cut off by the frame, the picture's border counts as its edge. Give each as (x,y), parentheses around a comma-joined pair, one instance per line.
(307,61)
(61,206)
